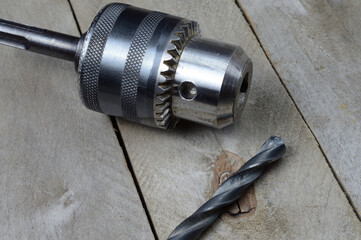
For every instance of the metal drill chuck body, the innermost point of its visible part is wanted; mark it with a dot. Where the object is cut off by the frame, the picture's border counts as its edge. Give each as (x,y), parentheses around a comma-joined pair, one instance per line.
(153,68)
(148,67)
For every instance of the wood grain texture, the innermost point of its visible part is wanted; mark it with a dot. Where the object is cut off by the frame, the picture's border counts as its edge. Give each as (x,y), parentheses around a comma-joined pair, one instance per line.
(316,47)
(63,174)
(298,198)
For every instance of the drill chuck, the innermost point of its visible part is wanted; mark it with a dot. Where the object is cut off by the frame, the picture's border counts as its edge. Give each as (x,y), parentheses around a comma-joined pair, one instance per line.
(148,67)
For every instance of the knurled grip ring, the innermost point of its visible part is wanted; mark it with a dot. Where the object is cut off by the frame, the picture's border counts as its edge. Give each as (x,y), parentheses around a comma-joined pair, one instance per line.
(91,55)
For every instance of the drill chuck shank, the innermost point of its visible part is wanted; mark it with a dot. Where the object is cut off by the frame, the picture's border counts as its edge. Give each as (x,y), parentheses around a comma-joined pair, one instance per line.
(148,67)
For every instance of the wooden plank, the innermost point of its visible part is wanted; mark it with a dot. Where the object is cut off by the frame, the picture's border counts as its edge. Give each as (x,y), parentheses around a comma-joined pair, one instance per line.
(298,198)
(315,46)
(63,174)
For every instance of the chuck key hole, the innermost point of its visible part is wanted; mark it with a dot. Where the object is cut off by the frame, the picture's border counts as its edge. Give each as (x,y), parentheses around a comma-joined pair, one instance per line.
(188,91)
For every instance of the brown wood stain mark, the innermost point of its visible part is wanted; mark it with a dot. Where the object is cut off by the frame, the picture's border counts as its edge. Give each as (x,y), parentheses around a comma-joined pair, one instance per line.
(226,164)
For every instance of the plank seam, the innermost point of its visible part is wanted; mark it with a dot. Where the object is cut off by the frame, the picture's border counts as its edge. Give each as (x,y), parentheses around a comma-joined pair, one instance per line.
(131,170)
(125,152)
(74,16)
(248,20)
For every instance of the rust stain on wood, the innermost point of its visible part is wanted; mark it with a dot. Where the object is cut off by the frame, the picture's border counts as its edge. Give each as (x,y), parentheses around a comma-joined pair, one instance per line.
(226,164)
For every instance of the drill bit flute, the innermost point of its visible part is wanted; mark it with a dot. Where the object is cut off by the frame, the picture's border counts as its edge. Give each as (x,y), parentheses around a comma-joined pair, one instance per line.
(148,67)
(229,191)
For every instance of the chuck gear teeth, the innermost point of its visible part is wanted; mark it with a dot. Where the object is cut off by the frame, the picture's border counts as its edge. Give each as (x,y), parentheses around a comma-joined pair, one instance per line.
(163,113)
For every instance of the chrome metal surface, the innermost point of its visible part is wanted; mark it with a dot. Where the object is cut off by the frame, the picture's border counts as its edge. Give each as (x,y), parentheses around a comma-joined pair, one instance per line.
(179,37)
(211,82)
(148,67)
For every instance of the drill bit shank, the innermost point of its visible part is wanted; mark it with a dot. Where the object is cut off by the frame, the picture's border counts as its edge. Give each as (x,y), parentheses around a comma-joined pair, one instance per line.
(229,191)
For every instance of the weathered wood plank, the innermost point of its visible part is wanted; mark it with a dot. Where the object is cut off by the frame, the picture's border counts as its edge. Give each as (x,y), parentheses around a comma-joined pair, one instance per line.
(63,174)
(315,46)
(298,198)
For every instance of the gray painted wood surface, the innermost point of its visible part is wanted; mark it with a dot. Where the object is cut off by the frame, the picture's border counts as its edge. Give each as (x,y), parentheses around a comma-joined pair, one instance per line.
(63,174)
(298,198)
(316,48)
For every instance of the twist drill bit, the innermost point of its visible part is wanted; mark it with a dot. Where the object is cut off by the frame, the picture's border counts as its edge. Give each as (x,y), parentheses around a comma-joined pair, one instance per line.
(229,191)
(148,67)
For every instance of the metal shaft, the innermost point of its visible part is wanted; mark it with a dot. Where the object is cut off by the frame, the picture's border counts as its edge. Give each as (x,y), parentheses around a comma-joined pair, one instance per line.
(38,40)
(231,190)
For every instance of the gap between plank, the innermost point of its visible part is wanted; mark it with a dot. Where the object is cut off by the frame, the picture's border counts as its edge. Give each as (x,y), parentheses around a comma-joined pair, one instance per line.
(125,152)
(131,169)
(74,16)
(249,22)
